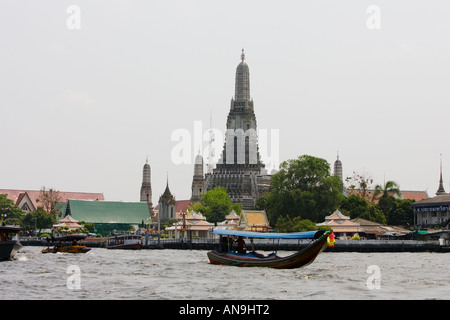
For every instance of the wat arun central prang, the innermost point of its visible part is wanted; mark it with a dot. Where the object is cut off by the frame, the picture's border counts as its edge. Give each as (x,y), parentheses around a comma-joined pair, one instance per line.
(240,170)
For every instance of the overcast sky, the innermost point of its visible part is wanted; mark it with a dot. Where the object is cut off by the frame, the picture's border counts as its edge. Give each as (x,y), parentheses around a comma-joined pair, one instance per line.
(88,92)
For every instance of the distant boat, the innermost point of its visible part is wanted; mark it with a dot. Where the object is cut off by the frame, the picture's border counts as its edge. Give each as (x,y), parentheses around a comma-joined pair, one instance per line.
(67,244)
(225,256)
(9,242)
(125,241)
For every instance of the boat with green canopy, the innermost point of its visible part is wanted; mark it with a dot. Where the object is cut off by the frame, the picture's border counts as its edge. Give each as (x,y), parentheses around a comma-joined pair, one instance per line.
(225,255)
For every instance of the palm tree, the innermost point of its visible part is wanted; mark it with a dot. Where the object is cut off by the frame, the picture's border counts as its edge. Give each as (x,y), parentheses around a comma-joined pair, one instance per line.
(387,193)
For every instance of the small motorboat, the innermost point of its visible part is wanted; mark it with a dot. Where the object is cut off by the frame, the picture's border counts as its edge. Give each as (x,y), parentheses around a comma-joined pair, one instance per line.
(67,244)
(241,258)
(9,242)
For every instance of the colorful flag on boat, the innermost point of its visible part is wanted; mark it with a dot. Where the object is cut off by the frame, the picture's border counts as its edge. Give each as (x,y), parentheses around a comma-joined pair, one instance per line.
(330,239)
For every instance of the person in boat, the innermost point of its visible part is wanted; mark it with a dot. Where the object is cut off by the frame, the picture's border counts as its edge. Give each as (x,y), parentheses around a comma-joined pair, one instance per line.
(241,245)
(223,244)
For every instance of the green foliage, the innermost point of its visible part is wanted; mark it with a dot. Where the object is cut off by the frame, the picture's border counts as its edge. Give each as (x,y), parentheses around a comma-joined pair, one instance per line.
(216,204)
(9,213)
(296,224)
(386,195)
(303,187)
(39,219)
(385,207)
(196,207)
(400,212)
(357,207)
(304,225)
(90,227)
(170,223)
(237,207)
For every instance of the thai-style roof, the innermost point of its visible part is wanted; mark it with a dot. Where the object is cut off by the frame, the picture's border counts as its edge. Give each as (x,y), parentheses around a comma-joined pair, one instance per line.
(337,215)
(340,223)
(253,220)
(443,198)
(232,216)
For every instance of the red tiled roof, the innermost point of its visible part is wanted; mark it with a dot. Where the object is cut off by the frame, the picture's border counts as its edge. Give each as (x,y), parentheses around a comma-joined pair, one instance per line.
(411,195)
(17,195)
(415,195)
(180,206)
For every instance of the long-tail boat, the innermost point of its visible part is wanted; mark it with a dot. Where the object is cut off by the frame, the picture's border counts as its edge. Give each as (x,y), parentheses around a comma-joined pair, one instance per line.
(67,244)
(226,256)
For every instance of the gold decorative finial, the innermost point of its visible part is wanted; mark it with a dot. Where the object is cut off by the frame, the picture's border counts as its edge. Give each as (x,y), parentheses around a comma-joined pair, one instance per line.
(243,55)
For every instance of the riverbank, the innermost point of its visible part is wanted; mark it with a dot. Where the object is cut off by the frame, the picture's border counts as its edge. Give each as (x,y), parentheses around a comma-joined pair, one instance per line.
(285,245)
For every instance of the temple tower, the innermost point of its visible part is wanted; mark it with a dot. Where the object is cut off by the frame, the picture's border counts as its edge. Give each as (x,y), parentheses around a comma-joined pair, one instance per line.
(338,169)
(198,181)
(146,187)
(166,205)
(441,189)
(240,169)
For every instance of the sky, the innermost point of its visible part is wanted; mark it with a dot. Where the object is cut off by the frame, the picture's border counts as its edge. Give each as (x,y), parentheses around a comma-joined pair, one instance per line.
(90,89)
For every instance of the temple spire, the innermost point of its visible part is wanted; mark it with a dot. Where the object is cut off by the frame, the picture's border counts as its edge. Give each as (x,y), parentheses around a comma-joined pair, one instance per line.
(338,168)
(242,84)
(146,187)
(441,189)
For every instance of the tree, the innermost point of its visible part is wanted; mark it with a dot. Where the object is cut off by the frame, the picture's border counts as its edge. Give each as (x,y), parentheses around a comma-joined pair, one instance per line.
(357,207)
(9,213)
(307,225)
(302,186)
(297,224)
(285,223)
(90,227)
(215,204)
(401,212)
(38,220)
(385,195)
(50,201)
(359,184)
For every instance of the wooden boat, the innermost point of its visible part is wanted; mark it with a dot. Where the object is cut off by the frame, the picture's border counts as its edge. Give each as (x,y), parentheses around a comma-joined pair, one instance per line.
(67,244)
(223,255)
(9,242)
(125,241)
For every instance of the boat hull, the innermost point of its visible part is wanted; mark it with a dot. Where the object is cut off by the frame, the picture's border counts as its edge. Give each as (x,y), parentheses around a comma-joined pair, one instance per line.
(296,260)
(127,241)
(134,246)
(8,249)
(68,249)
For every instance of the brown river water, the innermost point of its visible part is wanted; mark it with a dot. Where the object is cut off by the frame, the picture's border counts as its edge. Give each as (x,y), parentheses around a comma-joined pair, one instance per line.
(188,275)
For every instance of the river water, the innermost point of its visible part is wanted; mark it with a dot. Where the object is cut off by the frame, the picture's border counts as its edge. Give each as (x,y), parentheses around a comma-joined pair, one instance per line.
(187,274)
